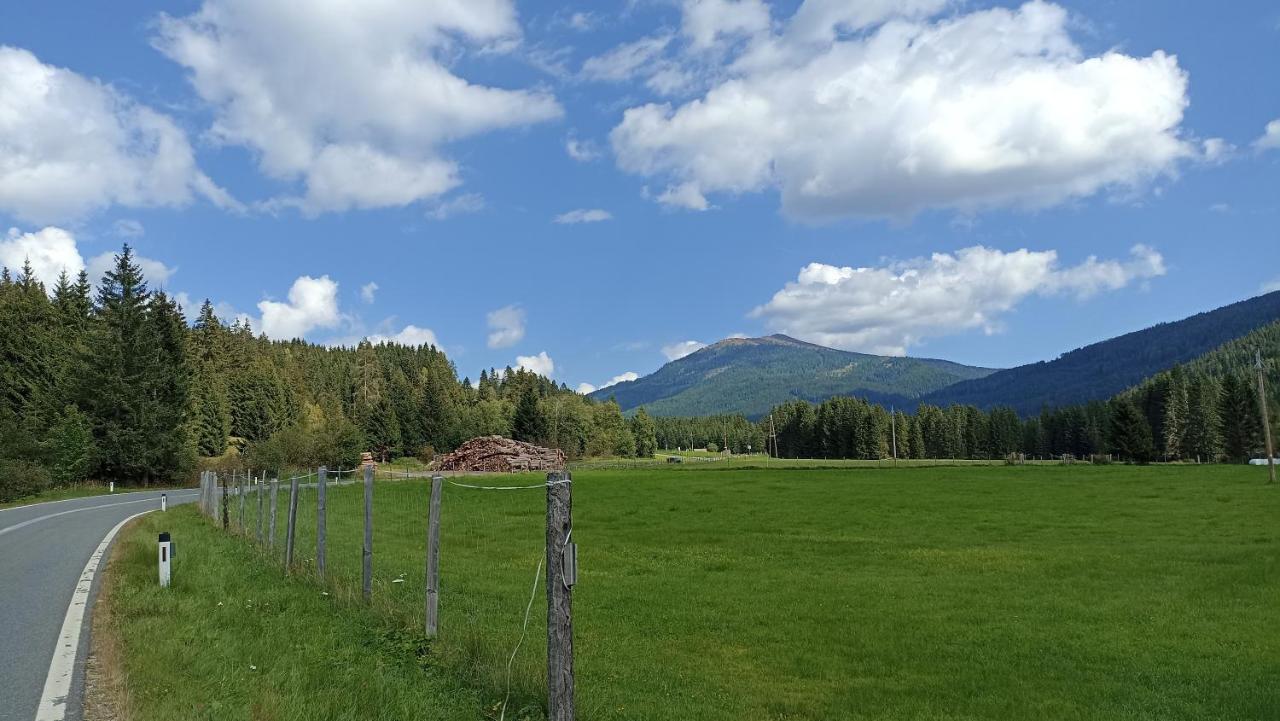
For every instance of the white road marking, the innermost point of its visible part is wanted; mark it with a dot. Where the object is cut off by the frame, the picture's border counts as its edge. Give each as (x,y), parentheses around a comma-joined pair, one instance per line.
(46,517)
(81,498)
(57,685)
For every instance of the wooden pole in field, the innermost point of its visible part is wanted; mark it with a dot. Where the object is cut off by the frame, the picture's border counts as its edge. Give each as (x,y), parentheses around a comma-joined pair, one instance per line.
(433,556)
(1266,419)
(366,575)
(292,522)
(240,493)
(271,531)
(561,575)
(264,478)
(226,521)
(322,481)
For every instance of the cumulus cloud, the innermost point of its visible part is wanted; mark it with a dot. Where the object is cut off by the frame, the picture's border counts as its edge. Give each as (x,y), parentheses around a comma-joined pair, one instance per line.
(312,303)
(676,351)
(583,215)
(887,309)
(540,364)
(704,22)
(585,388)
(70,145)
(49,250)
(155,271)
(883,109)
(1270,139)
(354,100)
(368,292)
(506,326)
(411,335)
(583,151)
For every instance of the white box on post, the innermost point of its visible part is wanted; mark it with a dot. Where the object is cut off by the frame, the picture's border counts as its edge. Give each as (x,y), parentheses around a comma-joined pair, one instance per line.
(166,558)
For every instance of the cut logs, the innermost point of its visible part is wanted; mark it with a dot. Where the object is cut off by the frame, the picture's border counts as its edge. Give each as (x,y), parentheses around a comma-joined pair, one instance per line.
(495,454)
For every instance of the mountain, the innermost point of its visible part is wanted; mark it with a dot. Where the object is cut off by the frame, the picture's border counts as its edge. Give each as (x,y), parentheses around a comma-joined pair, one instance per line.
(1101,370)
(752,375)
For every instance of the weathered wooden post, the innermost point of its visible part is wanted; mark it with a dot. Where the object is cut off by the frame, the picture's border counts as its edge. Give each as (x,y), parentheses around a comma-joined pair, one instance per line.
(366,576)
(271,532)
(204,492)
(1266,417)
(562,572)
(433,556)
(240,493)
(222,497)
(292,523)
(259,487)
(321,482)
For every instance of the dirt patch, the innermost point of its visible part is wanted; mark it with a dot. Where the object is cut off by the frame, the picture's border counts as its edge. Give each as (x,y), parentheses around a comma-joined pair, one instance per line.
(106,695)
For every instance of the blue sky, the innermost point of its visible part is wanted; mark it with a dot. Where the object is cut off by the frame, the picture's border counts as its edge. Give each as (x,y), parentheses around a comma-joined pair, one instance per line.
(927,177)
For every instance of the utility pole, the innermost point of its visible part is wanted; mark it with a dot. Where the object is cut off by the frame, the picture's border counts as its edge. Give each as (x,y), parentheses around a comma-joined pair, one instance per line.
(1266,420)
(893,426)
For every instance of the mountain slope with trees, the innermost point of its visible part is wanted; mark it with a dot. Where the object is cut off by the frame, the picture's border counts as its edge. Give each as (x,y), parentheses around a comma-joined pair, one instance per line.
(1101,370)
(749,376)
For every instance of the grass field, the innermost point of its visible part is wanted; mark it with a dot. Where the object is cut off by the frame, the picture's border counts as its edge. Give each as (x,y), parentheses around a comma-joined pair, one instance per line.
(1054,592)
(61,494)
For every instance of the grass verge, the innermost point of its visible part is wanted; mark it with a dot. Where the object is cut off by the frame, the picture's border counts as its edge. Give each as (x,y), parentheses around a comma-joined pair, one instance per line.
(61,494)
(231,639)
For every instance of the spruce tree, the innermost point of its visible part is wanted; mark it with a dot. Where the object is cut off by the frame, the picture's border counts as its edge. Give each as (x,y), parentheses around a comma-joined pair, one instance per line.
(528,424)
(1130,432)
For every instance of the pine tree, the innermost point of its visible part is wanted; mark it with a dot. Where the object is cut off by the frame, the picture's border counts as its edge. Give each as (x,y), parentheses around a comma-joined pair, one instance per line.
(71,447)
(1238,409)
(1176,409)
(1203,439)
(1130,432)
(529,424)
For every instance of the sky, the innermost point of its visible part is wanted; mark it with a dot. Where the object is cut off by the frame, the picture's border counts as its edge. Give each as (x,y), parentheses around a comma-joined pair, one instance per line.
(590,190)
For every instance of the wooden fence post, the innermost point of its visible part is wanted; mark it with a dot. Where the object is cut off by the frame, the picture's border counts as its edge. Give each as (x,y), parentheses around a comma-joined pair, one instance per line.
(366,575)
(292,523)
(433,556)
(222,499)
(561,575)
(259,486)
(271,532)
(240,493)
(321,482)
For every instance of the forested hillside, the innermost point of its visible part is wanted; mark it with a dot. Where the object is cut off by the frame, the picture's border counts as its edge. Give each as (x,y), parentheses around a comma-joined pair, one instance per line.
(1204,411)
(114,384)
(749,376)
(1101,370)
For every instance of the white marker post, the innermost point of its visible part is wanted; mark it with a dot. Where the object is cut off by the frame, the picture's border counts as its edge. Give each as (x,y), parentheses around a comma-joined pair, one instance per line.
(112,487)
(164,503)
(166,557)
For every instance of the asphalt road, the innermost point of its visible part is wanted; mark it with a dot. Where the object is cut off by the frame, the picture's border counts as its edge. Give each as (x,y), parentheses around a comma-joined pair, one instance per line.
(43,551)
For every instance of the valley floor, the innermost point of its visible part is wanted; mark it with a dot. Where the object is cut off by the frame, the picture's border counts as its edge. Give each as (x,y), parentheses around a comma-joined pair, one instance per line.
(711,592)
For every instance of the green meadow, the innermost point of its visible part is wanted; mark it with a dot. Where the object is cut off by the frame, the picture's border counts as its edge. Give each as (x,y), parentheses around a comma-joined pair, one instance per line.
(711,592)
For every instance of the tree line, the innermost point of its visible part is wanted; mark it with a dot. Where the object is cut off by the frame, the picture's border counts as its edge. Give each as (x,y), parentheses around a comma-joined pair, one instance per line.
(112,383)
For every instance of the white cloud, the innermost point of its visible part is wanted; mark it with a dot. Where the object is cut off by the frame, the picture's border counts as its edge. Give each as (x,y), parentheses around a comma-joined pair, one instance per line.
(626,61)
(684,195)
(846,114)
(506,325)
(540,364)
(155,272)
(411,335)
(50,250)
(354,100)
(890,308)
(583,151)
(676,351)
(1270,139)
(583,215)
(1271,286)
(460,205)
(128,228)
(313,303)
(70,145)
(581,21)
(368,292)
(705,22)
(585,388)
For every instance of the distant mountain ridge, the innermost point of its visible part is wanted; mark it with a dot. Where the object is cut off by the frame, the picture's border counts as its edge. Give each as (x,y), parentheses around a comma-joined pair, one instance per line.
(752,375)
(1103,369)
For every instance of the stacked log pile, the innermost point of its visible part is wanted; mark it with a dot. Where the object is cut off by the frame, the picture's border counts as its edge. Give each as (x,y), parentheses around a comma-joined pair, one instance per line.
(495,454)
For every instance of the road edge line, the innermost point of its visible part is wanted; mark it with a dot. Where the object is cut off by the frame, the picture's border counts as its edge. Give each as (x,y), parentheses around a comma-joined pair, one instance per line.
(57,685)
